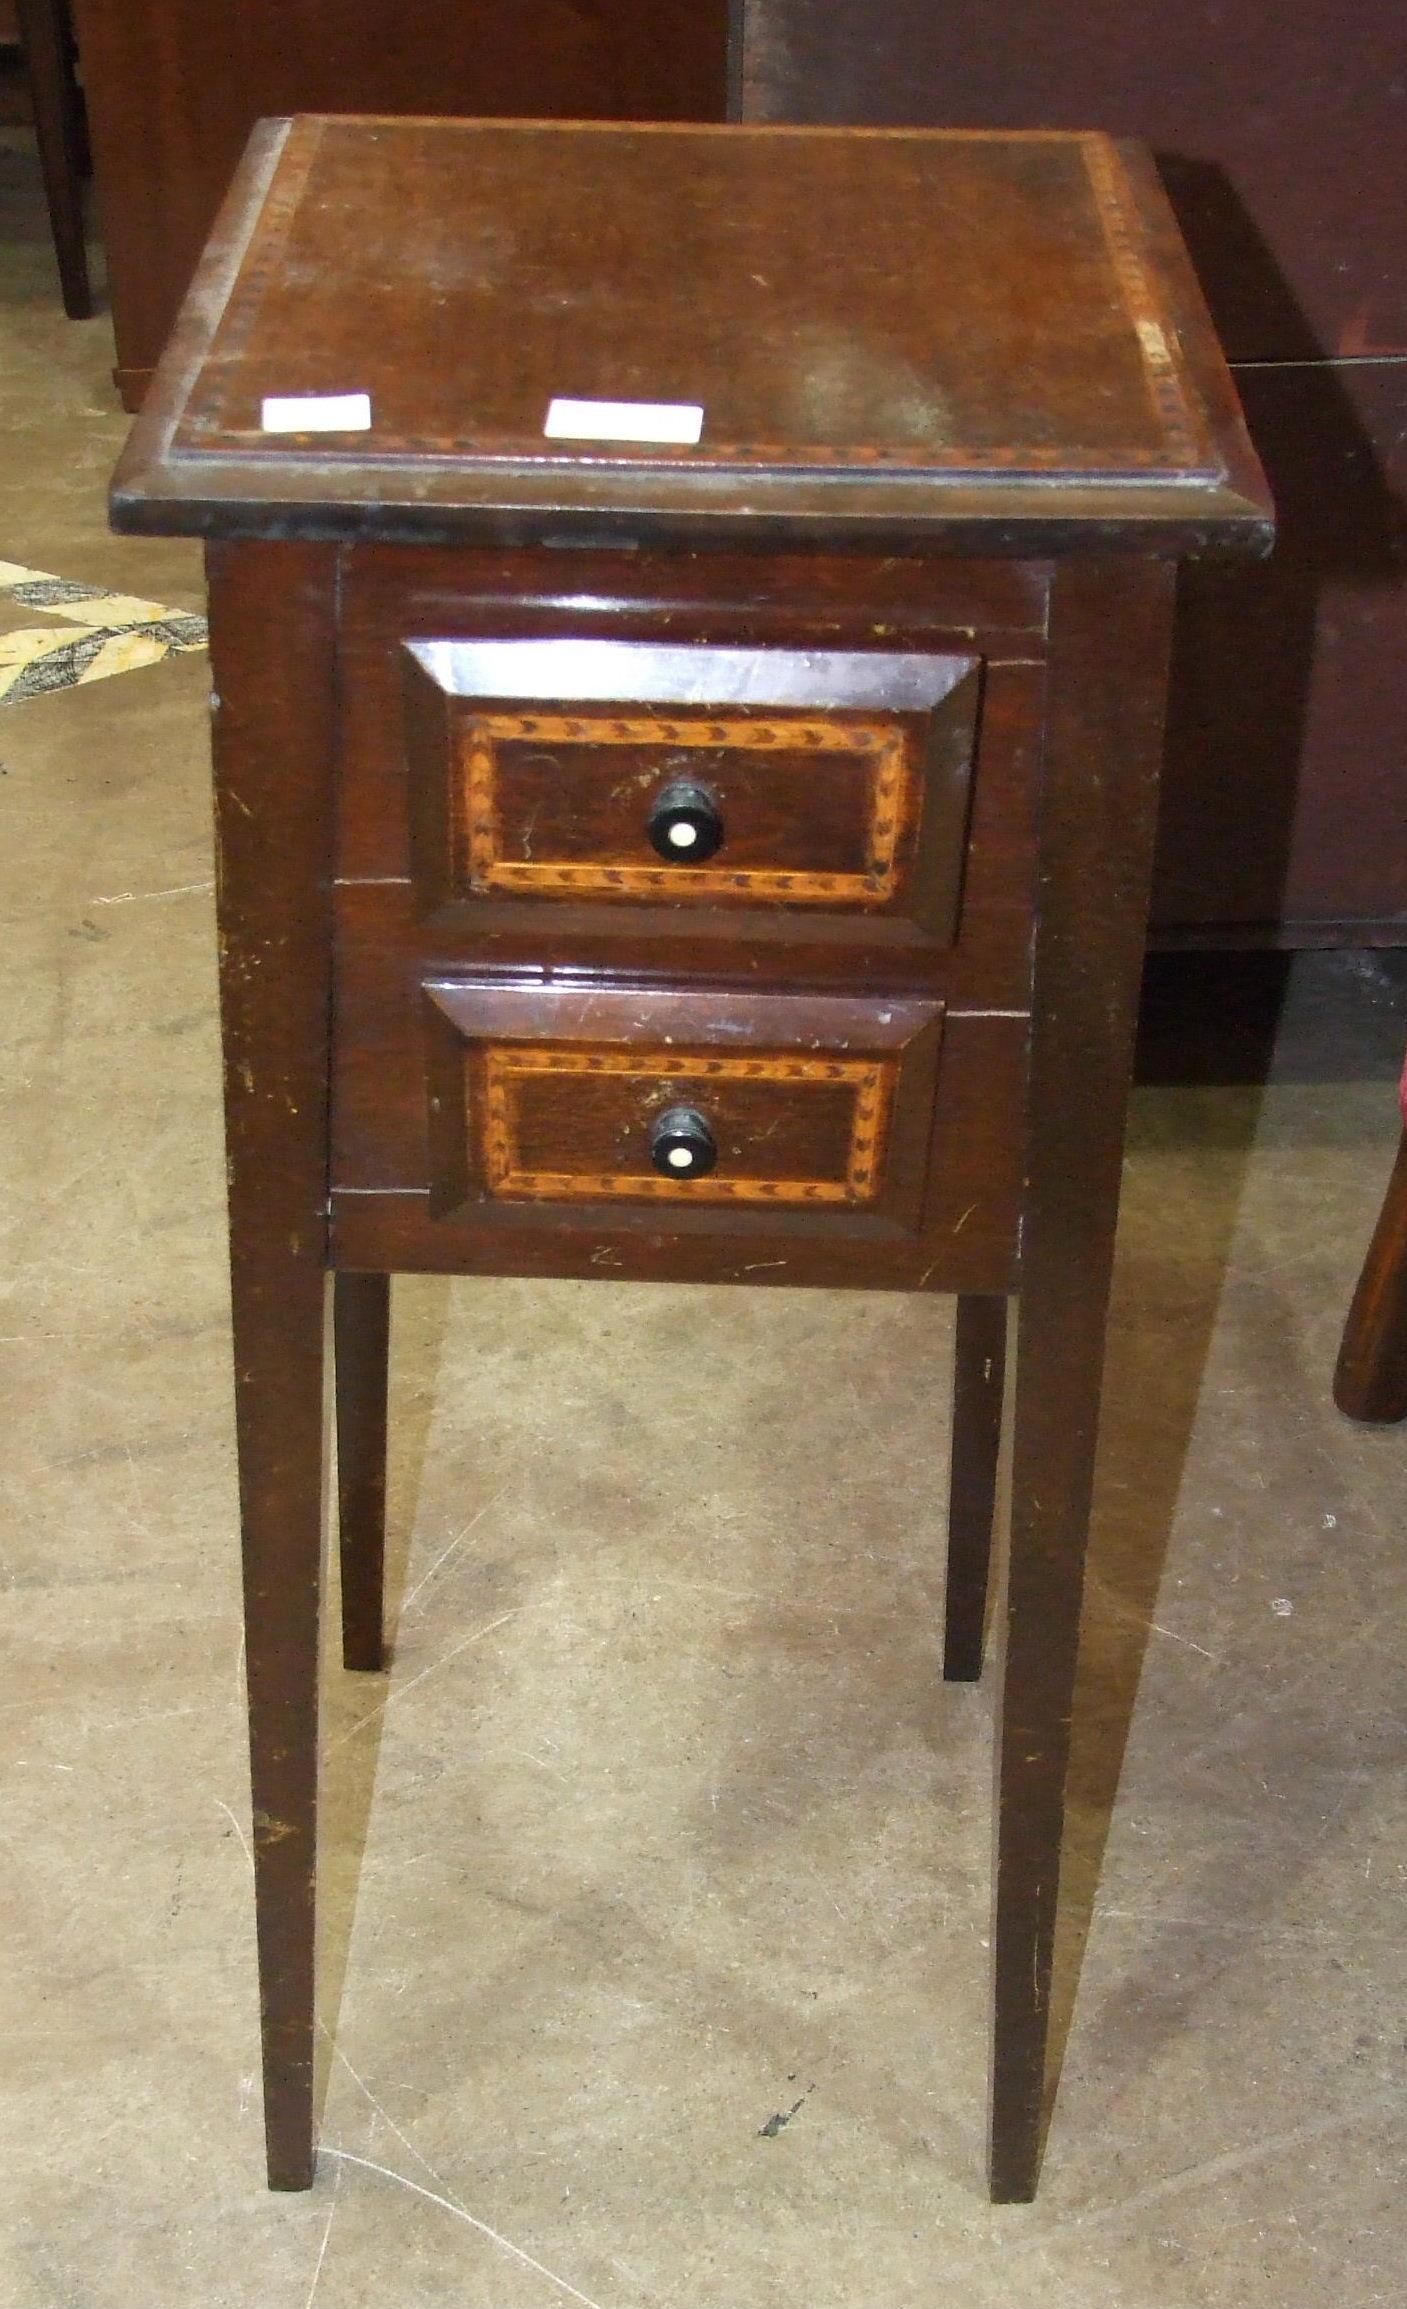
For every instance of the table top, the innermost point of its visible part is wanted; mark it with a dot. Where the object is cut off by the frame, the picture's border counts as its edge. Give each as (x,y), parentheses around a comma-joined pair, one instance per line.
(521,331)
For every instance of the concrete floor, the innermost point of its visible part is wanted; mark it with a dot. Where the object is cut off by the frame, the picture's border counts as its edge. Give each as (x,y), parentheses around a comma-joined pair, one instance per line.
(664,1824)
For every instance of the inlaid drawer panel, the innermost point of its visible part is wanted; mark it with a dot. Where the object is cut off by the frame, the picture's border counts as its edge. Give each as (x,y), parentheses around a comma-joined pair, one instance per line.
(623,774)
(680,1101)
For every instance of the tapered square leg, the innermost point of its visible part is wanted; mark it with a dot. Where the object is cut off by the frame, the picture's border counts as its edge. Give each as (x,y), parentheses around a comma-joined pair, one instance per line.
(361,1339)
(1057,1393)
(1110,630)
(271,654)
(48,56)
(979,1378)
(278,1344)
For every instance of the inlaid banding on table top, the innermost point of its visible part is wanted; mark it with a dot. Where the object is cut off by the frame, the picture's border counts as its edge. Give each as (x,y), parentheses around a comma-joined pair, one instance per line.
(871,1082)
(1183,422)
(478,831)
(315,158)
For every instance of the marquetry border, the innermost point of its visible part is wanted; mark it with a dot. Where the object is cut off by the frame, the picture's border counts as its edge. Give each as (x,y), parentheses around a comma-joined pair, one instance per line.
(477,833)
(1186,450)
(504,1063)
(1125,238)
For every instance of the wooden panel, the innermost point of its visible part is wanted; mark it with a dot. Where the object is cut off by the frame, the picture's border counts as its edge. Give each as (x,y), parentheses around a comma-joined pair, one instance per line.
(544,771)
(812,812)
(175,86)
(813,1104)
(1277,124)
(384,955)
(575,1125)
(1283,813)
(376,238)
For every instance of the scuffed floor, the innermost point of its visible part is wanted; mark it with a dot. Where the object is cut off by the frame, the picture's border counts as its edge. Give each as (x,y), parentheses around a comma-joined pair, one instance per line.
(655,1878)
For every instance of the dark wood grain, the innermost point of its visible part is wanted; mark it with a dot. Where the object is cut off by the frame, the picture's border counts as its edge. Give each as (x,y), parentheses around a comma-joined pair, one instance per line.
(272,664)
(1025,228)
(966,421)
(979,1383)
(1110,629)
(1370,1378)
(175,86)
(361,1328)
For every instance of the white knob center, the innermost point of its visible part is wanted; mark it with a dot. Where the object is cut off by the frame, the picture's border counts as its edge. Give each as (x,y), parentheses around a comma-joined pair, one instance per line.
(682,835)
(681,1158)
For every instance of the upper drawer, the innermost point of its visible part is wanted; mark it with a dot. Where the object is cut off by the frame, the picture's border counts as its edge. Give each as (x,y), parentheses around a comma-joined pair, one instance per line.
(636,775)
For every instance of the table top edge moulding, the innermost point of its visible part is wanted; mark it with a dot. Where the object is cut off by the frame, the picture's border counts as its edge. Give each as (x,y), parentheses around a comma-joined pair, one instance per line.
(1173,472)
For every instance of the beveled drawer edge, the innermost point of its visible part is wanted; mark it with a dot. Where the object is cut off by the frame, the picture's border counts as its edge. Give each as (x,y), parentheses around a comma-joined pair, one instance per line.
(799,1018)
(560,671)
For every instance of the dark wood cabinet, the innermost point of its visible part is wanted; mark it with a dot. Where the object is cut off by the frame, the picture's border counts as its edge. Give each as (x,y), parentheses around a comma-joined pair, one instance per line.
(174,87)
(1280,132)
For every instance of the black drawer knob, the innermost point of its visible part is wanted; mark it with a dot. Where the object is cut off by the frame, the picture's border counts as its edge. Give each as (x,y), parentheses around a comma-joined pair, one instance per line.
(686,825)
(681,1144)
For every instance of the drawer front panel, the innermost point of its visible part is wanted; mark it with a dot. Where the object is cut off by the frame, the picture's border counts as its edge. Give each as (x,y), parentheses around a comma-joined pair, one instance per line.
(577,1124)
(624,773)
(811,812)
(681,1101)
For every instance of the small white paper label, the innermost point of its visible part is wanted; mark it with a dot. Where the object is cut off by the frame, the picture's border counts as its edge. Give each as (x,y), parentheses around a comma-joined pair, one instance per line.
(624,421)
(317,413)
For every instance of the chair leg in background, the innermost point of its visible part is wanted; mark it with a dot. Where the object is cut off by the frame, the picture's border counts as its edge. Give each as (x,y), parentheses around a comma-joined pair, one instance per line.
(46,41)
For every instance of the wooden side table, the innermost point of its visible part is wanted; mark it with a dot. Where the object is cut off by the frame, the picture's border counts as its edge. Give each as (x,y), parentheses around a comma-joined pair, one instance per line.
(686,745)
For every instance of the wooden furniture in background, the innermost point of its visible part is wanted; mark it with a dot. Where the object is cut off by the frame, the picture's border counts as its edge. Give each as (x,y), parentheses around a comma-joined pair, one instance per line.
(175,86)
(1370,1379)
(44,35)
(711,862)
(1278,127)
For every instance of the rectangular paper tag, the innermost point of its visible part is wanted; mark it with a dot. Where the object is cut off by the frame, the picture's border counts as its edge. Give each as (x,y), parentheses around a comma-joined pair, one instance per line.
(317,413)
(624,421)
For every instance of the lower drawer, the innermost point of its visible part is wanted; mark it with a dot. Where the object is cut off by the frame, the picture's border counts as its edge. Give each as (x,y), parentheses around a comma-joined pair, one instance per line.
(422,1181)
(707,1106)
